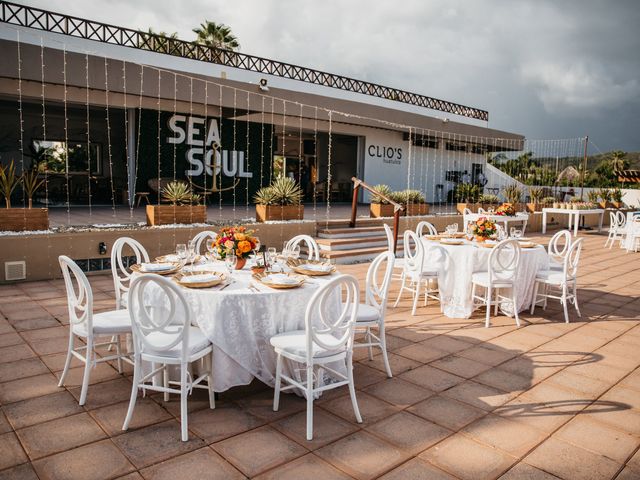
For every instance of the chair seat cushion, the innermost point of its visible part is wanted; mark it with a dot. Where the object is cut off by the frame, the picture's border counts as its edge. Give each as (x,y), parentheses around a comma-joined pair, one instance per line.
(295,343)
(482,279)
(551,276)
(197,342)
(112,322)
(367,313)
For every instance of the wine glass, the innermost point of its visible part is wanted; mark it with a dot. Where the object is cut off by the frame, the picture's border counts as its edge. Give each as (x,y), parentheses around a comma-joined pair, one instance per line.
(230,261)
(294,252)
(191,246)
(517,233)
(271,257)
(181,252)
(512,232)
(209,244)
(469,231)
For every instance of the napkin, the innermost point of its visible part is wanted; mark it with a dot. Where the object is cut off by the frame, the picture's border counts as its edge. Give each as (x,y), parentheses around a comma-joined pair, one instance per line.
(172,257)
(156,267)
(315,267)
(199,268)
(200,278)
(281,278)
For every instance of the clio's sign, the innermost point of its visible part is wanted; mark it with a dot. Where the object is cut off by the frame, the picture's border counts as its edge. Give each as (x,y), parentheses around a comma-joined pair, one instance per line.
(205,154)
(388,154)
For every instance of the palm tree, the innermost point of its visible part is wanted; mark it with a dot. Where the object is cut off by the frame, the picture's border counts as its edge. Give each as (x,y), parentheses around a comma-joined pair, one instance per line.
(216,35)
(157,40)
(618,161)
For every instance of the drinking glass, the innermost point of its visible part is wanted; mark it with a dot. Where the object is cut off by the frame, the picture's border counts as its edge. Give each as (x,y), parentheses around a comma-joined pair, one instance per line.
(285,250)
(181,252)
(469,231)
(512,232)
(517,233)
(209,244)
(454,228)
(230,260)
(271,257)
(192,251)
(294,252)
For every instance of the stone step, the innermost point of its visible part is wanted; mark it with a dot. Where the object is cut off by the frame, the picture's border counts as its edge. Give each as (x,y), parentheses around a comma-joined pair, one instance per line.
(347,232)
(353,242)
(356,255)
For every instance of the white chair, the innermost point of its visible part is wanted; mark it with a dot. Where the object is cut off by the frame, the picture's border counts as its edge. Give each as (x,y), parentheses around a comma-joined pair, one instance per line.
(632,235)
(327,338)
(313,251)
(503,264)
(119,268)
(162,334)
(371,313)
(413,277)
(482,211)
(564,281)
(431,229)
(558,247)
(83,323)
(390,240)
(201,238)
(467,211)
(617,228)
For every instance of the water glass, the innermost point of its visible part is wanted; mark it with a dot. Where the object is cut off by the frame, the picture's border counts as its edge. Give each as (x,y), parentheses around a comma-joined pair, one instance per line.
(294,252)
(271,256)
(230,260)
(181,252)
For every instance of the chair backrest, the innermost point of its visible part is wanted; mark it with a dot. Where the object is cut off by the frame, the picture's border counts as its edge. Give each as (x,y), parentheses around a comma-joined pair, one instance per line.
(389,233)
(613,220)
(79,294)
(313,251)
(413,251)
(467,211)
(121,275)
(504,260)
(332,311)
(622,219)
(201,238)
(431,229)
(481,210)
(559,244)
(376,292)
(572,259)
(160,315)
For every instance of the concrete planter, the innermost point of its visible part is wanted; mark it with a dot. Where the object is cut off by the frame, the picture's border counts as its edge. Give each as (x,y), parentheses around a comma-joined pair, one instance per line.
(24,219)
(265,213)
(170,214)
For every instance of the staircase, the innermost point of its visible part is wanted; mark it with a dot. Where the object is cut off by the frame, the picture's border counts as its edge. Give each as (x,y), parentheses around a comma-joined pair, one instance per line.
(340,244)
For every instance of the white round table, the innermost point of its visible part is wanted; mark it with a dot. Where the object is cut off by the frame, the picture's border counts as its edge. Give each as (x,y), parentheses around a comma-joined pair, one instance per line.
(456,263)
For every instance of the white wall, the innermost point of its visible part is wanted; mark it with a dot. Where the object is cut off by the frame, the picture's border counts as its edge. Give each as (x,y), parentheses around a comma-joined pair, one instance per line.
(631,197)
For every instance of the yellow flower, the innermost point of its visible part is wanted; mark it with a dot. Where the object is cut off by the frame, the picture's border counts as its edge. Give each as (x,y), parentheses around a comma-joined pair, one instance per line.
(240,236)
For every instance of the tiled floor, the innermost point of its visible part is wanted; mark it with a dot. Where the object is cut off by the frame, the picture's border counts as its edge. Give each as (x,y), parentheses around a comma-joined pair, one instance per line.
(548,400)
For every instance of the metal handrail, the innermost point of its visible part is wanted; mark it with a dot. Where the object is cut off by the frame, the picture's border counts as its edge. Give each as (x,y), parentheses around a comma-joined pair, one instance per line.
(397,208)
(37,18)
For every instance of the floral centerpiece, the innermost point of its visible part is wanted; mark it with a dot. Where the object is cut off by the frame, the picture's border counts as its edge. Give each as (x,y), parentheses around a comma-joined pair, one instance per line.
(483,229)
(506,209)
(235,239)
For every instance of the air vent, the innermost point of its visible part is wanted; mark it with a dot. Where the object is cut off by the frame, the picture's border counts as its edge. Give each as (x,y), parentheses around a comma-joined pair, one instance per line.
(15,271)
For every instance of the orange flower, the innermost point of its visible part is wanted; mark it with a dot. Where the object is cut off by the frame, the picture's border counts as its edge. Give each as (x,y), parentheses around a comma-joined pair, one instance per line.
(244,246)
(240,236)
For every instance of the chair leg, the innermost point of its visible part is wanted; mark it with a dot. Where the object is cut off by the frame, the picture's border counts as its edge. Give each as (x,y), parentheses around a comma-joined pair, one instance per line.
(119,353)
(383,346)
(515,305)
(352,388)
(575,298)
(87,372)
(535,297)
(309,402)
(276,393)
(134,392)
(212,394)
(402,280)
(487,320)
(183,402)
(368,337)
(564,301)
(416,297)
(165,382)
(67,362)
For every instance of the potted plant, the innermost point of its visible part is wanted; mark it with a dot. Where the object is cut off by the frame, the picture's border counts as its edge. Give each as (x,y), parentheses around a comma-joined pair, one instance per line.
(21,219)
(183,206)
(548,202)
(414,202)
(467,195)
(513,195)
(282,200)
(236,241)
(483,229)
(593,196)
(379,206)
(488,200)
(605,197)
(616,198)
(535,196)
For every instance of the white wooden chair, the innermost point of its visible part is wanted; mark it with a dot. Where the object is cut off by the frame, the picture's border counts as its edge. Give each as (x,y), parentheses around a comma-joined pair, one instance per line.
(313,251)
(503,264)
(119,268)
(413,276)
(200,239)
(371,313)
(327,338)
(558,247)
(564,282)
(163,335)
(431,229)
(83,323)
(617,228)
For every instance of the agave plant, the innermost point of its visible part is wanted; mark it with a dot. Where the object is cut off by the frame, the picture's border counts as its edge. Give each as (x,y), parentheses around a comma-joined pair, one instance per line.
(592,195)
(265,196)
(468,192)
(282,191)
(488,198)
(512,194)
(616,195)
(605,194)
(548,200)
(381,190)
(535,193)
(31,183)
(413,196)
(8,182)
(177,193)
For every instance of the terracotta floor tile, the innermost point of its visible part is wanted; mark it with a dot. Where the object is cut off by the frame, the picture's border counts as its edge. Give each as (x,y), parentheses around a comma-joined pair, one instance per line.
(409,432)
(362,455)
(522,471)
(431,378)
(100,373)
(398,392)
(15,352)
(479,395)
(8,339)
(467,459)
(588,387)
(463,367)
(105,393)
(616,414)
(29,387)
(628,474)
(570,462)
(199,464)
(446,412)
(371,409)
(397,363)
(512,437)
(446,343)
(226,420)
(261,404)
(5,426)
(634,462)
(21,472)
(421,353)
(417,469)
(622,394)
(487,356)
(503,380)
(306,467)
(155,443)
(41,409)
(27,367)
(259,450)
(365,376)
(97,461)
(58,435)
(146,412)
(11,452)
(326,428)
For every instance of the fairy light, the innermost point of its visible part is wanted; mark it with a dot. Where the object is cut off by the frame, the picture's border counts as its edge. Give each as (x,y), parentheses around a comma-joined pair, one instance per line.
(262,142)
(44,121)
(20,113)
(235,100)
(175,146)
(135,177)
(66,132)
(328,212)
(130,195)
(88,122)
(158,140)
(248,161)
(273,131)
(315,161)
(219,172)
(300,159)
(106,90)
(206,123)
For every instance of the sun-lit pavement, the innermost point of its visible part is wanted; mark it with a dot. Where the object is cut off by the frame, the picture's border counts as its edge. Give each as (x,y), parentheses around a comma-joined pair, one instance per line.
(542,401)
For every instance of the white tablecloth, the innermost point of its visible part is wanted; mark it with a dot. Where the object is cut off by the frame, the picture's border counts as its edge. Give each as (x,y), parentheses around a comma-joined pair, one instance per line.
(456,263)
(628,241)
(239,323)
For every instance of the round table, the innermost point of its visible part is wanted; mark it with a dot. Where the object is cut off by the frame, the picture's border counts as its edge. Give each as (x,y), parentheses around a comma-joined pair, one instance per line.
(456,263)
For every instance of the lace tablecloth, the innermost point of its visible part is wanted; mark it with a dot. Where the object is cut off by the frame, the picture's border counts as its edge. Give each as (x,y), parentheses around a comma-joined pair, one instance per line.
(239,323)
(456,263)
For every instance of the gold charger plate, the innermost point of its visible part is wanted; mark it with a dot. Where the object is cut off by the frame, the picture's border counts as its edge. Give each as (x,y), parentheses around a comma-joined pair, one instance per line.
(433,237)
(296,266)
(527,244)
(221,278)
(260,277)
(163,258)
(486,244)
(138,269)
(451,241)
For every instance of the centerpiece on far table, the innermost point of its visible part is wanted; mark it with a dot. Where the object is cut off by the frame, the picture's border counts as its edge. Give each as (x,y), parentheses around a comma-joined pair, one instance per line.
(235,240)
(506,209)
(483,229)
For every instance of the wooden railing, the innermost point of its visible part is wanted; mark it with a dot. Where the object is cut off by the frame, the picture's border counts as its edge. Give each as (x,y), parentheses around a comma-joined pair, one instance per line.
(397,208)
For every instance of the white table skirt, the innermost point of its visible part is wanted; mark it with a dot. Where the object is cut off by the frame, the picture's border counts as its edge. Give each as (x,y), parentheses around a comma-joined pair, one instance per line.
(629,237)
(456,263)
(239,323)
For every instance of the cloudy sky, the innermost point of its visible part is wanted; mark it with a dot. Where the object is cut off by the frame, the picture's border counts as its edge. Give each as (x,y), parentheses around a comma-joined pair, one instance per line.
(546,69)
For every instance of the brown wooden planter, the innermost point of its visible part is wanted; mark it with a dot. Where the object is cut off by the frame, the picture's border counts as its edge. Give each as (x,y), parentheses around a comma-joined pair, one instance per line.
(534,207)
(24,219)
(415,209)
(604,204)
(377,210)
(265,213)
(471,206)
(617,204)
(169,214)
